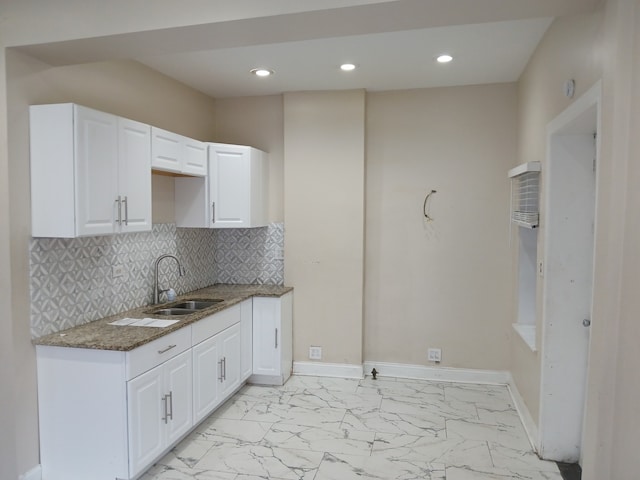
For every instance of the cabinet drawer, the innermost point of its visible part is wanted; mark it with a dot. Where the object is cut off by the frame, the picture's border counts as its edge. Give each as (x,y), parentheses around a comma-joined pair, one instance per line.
(154,353)
(213,324)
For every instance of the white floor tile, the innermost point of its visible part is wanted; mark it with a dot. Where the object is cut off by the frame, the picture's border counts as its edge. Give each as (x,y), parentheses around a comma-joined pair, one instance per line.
(519,459)
(396,423)
(341,384)
(480,473)
(346,467)
(509,436)
(312,417)
(319,428)
(449,451)
(320,439)
(263,461)
(233,431)
(336,399)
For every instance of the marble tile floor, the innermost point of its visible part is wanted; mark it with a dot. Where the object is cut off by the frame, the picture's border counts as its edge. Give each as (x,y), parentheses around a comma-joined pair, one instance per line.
(316,428)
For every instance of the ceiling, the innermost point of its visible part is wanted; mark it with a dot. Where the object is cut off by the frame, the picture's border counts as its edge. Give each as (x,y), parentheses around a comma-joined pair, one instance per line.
(483,53)
(392,42)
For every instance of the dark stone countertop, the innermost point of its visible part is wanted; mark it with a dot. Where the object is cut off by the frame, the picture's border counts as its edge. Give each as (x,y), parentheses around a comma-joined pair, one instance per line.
(100,335)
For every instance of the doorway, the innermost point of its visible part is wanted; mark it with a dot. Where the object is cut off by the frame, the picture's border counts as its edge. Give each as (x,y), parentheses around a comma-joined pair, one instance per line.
(569,229)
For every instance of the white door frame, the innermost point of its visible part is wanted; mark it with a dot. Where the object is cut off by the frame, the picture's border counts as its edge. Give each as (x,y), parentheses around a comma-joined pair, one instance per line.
(569,250)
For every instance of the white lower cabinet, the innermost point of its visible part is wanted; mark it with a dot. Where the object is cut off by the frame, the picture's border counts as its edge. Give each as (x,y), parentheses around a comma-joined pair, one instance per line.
(159,410)
(216,372)
(108,414)
(272,339)
(246,337)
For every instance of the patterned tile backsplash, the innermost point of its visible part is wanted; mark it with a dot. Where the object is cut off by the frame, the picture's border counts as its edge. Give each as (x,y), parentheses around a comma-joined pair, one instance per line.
(250,255)
(72,280)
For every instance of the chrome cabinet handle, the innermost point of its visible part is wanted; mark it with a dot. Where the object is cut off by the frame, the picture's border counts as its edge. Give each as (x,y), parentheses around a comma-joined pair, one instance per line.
(276,338)
(213,212)
(168,407)
(119,202)
(221,377)
(166,414)
(586,322)
(126,210)
(224,367)
(167,349)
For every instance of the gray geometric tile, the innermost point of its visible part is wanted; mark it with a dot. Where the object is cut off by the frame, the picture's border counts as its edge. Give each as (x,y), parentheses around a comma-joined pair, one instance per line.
(71,278)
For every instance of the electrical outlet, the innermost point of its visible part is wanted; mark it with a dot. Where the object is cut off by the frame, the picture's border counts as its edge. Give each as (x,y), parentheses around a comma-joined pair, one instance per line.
(117,271)
(315,353)
(434,355)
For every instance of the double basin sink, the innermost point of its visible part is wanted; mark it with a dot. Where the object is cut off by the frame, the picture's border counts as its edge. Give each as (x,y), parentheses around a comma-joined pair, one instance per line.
(184,308)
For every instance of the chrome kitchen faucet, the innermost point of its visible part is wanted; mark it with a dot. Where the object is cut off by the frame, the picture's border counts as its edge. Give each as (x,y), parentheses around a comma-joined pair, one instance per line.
(156,287)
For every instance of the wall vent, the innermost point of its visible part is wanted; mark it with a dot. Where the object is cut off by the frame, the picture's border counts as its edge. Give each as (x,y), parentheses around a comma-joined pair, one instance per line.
(525,188)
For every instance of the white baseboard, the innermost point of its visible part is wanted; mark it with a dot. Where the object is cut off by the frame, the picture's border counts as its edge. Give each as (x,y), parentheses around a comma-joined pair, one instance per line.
(320,369)
(34,474)
(441,374)
(527,420)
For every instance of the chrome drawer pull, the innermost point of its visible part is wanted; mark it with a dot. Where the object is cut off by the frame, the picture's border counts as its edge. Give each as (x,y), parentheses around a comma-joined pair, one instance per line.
(167,349)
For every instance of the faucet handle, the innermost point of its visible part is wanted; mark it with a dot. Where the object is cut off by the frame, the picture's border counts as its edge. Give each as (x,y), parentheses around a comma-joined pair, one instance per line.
(182,271)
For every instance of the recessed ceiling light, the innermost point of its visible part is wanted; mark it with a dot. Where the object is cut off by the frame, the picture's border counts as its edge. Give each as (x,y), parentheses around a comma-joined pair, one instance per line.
(347,67)
(444,58)
(262,72)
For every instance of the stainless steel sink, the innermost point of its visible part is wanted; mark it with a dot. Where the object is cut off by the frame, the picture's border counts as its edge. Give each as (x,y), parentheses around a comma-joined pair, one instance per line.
(172,311)
(184,308)
(197,304)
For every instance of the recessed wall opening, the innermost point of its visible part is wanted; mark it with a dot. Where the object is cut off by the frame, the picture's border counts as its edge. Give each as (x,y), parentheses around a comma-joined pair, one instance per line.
(527,277)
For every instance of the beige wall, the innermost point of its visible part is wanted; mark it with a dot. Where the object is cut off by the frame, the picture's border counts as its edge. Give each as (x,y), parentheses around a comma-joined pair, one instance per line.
(626,418)
(125,88)
(258,122)
(324,148)
(571,48)
(10,415)
(444,283)
(612,418)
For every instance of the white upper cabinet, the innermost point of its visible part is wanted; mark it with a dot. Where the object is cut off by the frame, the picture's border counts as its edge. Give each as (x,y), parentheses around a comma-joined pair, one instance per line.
(238,186)
(178,154)
(166,150)
(195,157)
(134,143)
(234,195)
(90,172)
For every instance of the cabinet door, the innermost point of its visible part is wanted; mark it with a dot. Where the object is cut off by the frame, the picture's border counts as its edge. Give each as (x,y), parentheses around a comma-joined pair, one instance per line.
(207,378)
(96,151)
(246,339)
(166,150)
(134,175)
(178,387)
(229,185)
(145,411)
(230,351)
(266,336)
(195,157)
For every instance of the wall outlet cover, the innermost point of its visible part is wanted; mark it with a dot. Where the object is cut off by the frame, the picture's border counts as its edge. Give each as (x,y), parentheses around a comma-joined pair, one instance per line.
(434,355)
(315,353)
